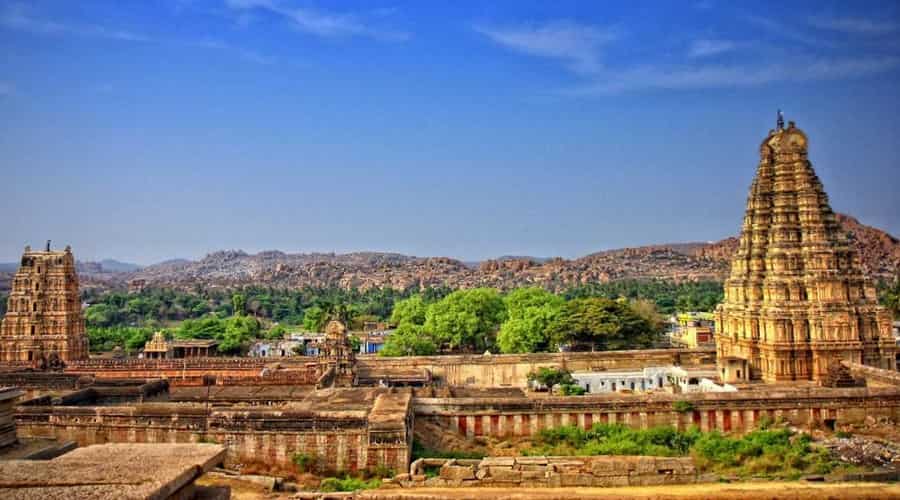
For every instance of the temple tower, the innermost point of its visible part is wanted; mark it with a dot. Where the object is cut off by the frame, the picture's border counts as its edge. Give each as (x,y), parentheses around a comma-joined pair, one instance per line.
(797,299)
(43,322)
(336,356)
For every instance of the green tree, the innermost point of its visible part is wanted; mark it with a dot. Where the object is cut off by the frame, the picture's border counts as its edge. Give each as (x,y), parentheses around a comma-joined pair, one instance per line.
(602,323)
(238,304)
(532,313)
(411,310)
(277,332)
(314,319)
(466,319)
(409,339)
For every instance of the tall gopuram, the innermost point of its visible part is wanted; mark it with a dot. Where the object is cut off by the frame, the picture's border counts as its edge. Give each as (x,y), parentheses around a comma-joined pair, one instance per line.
(43,322)
(797,300)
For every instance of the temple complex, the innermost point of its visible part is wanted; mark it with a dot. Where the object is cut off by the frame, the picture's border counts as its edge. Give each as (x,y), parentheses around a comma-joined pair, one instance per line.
(43,323)
(797,300)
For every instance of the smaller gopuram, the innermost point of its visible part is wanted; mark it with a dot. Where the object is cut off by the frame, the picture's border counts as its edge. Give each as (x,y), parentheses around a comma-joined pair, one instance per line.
(43,323)
(337,359)
(797,301)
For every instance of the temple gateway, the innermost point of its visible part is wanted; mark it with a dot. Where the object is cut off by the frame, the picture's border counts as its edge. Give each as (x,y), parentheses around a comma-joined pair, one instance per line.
(797,300)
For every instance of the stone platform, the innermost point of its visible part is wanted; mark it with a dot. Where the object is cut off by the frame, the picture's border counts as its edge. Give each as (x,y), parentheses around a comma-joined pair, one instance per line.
(114,471)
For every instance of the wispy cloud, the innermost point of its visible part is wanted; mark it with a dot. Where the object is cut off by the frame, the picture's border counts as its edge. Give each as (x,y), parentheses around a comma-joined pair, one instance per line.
(322,23)
(578,45)
(18,17)
(853,25)
(685,77)
(786,32)
(707,48)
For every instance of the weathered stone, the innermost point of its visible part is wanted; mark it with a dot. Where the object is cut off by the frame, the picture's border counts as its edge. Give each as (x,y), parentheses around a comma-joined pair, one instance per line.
(498,462)
(797,300)
(575,479)
(531,460)
(507,475)
(457,472)
(43,322)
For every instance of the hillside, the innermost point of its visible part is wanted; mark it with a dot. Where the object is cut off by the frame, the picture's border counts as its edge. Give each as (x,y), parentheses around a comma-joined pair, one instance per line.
(879,253)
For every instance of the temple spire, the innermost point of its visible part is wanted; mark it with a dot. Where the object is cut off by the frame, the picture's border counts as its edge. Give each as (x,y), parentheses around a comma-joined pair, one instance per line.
(780,122)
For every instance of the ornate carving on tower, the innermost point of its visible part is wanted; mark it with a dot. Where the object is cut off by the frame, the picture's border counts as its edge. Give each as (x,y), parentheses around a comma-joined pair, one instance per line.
(337,360)
(43,322)
(797,299)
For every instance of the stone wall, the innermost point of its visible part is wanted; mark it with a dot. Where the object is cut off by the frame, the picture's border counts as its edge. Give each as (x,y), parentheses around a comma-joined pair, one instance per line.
(511,370)
(531,472)
(727,412)
(338,441)
(874,376)
(190,371)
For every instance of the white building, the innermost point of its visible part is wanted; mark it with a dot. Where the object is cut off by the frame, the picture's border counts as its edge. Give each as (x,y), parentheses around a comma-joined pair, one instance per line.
(655,378)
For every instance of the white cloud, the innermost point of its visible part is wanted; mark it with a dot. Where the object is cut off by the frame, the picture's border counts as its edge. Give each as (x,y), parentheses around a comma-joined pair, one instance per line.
(853,25)
(707,48)
(322,23)
(792,33)
(576,44)
(16,17)
(649,77)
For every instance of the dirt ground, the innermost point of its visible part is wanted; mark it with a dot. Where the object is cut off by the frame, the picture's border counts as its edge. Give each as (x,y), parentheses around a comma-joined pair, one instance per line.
(743,491)
(242,490)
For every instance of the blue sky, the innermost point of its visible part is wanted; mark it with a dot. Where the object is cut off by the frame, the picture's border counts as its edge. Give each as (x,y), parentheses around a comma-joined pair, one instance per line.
(150,129)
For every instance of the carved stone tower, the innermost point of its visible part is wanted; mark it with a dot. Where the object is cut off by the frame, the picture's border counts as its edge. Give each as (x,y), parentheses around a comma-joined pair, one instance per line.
(43,322)
(337,360)
(797,300)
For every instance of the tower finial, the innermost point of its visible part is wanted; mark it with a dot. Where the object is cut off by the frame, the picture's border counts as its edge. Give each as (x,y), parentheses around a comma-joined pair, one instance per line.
(780,123)
(48,245)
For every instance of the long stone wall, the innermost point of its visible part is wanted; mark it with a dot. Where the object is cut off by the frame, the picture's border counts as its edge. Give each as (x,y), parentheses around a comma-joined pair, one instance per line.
(190,371)
(339,441)
(531,472)
(511,370)
(727,412)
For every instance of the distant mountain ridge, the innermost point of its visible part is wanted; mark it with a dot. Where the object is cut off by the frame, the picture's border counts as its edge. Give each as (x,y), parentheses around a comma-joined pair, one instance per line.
(878,250)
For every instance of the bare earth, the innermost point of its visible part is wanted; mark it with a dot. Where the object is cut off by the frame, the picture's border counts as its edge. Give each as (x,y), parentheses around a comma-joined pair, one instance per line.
(767,491)
(241,490)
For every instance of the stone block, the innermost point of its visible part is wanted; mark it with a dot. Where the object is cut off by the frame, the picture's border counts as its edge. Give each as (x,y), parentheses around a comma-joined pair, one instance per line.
(534,476)
(609,481)
(419,477)
(457,472)
(645,465)
(503,474)
(575,479)
(402,477)
(531,460)
(435,482)
(498,462)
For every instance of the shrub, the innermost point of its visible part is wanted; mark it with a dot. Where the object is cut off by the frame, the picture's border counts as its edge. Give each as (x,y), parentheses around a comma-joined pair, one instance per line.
(346,483)
(571,390)
(549,377)
(683,406)
(768,453)
(304,462)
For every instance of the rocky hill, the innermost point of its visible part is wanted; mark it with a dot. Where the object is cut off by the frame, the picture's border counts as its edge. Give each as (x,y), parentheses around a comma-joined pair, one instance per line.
(879,252)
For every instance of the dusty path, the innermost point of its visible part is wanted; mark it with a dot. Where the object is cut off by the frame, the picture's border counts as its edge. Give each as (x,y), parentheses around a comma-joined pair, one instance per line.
(767,491)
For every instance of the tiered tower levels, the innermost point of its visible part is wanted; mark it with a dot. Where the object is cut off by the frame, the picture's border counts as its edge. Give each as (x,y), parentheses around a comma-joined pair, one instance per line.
(797,299)
(43,322)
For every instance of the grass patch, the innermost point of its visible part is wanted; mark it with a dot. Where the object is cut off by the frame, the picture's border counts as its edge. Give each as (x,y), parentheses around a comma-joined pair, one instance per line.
(347,483)
(420,451)
(761,453)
